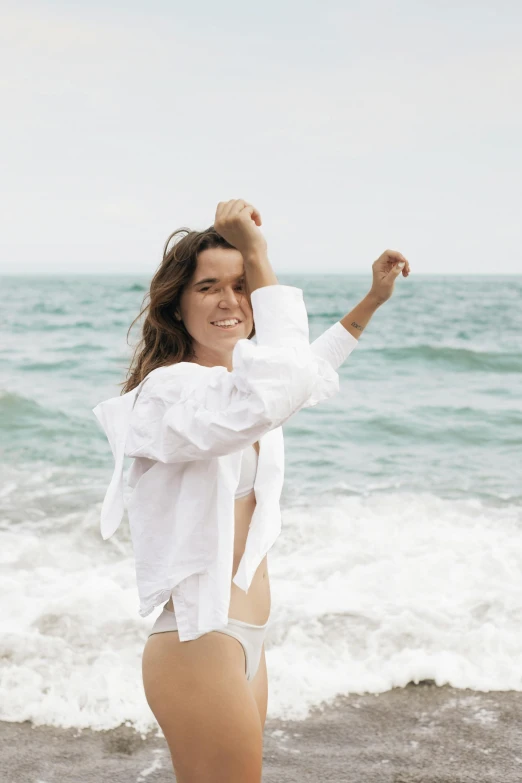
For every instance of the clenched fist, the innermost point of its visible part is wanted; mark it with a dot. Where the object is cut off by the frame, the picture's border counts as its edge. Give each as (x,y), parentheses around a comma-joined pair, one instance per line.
(238,222)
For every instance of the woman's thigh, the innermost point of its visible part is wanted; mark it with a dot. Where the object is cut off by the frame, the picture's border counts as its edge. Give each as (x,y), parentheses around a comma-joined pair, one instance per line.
(259,687)
(205,706)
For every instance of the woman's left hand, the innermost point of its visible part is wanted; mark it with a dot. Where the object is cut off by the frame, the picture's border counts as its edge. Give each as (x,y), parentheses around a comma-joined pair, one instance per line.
(385,271)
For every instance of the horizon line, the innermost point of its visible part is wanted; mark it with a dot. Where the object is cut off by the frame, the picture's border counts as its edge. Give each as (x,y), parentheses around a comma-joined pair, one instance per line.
(302,274)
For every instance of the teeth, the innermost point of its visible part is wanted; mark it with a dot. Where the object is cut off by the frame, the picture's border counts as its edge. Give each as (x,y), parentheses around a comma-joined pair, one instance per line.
(226,323)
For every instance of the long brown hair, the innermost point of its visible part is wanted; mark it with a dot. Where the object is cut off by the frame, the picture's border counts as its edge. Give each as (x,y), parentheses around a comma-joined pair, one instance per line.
(164,339)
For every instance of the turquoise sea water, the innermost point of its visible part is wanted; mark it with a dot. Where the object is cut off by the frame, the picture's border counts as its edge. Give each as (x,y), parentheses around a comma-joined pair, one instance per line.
(402,506)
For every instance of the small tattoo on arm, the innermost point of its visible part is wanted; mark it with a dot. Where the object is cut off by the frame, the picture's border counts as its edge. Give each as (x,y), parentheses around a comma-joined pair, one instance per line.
(357,326)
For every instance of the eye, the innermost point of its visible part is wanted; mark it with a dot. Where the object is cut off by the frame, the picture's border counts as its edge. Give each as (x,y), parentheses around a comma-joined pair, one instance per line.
(238,285)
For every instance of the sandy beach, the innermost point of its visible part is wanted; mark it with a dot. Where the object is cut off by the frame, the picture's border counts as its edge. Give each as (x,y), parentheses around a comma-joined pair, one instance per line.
(418,734)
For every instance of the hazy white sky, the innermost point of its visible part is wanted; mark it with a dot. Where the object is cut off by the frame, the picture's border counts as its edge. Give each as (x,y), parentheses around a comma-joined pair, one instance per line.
(352,126)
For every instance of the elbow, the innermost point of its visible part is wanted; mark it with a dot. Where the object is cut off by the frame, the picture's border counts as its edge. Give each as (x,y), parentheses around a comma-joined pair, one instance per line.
(296,385)
(304,376)
(308,383)
(317,381)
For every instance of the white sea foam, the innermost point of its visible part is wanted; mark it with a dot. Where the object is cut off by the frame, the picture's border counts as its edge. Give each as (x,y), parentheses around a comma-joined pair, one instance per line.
(368,593)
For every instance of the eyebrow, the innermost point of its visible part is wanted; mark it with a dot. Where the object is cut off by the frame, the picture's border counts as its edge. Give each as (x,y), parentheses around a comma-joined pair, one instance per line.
(214,280)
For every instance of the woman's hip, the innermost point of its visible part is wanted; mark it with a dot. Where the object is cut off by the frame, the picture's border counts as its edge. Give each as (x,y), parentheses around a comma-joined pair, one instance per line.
(251,636)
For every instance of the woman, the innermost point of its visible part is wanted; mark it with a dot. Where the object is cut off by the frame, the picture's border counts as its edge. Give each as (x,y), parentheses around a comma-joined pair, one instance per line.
(201,417)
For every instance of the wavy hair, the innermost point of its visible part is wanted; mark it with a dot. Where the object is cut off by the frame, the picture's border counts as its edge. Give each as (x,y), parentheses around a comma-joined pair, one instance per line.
(164,339)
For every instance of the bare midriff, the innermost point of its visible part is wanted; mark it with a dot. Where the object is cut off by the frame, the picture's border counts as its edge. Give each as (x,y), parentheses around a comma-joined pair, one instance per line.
(254,606)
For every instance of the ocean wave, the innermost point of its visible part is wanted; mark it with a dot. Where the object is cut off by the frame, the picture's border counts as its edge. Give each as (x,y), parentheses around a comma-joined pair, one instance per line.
(19,413)
(45,326)
(30,431)
(63,364)
(44,307)
(463,359)
(15,404)
(81,347)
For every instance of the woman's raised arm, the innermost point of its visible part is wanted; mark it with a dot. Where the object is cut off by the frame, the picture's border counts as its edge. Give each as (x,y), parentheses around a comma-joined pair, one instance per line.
(188,412)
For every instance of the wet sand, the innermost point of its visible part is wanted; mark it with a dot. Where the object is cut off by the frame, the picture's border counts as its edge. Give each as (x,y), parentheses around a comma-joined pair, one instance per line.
(418,734)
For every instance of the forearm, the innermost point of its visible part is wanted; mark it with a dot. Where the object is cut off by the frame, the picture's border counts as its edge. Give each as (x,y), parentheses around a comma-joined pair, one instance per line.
(258,270)
(357,319)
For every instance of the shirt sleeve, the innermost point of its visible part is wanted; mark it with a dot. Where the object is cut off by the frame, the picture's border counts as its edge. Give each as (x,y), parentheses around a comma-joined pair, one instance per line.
(331,348)
(335,345)
(188,412)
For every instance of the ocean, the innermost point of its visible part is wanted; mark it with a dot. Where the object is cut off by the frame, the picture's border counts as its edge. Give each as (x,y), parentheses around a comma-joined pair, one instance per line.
(400,558)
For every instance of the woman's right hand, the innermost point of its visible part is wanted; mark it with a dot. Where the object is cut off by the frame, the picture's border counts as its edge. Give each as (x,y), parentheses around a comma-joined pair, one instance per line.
(238,222)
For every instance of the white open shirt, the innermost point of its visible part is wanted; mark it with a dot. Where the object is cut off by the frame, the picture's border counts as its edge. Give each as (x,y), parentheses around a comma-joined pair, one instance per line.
(185,426)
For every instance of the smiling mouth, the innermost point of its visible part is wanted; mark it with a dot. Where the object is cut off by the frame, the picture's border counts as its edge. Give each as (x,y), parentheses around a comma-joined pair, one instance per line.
(232,326)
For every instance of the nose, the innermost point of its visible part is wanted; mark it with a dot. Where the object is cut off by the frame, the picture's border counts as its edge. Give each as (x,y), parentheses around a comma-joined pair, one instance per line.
(230,298)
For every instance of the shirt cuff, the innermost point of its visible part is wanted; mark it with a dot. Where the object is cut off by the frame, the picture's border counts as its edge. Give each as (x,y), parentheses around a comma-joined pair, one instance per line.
(335,345)
(346,340)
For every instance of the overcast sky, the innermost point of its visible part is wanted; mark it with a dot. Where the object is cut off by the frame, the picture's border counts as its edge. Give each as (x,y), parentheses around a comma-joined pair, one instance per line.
(352,126)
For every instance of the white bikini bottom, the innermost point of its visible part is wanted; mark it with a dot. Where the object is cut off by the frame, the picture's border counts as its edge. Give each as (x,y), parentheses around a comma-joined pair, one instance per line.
(250,636)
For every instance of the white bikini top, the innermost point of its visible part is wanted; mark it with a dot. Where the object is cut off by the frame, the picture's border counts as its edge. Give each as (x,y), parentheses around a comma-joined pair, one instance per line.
(249,459)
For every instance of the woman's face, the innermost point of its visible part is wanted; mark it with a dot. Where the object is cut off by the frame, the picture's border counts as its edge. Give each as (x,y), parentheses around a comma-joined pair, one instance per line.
(217,293)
